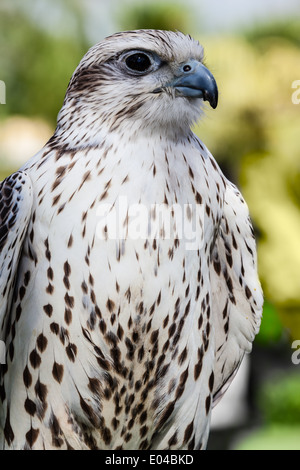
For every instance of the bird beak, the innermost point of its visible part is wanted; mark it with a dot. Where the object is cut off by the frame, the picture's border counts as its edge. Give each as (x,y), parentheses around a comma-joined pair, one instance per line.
(196,81)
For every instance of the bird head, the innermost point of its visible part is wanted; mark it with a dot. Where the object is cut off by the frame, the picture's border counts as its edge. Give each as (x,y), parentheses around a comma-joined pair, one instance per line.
(143,79)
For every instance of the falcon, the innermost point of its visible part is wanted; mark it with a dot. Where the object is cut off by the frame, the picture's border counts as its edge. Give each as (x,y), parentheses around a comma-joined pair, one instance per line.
(124,323)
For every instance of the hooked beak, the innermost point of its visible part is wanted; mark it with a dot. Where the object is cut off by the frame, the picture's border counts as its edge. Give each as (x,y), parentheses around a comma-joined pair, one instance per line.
(196,81)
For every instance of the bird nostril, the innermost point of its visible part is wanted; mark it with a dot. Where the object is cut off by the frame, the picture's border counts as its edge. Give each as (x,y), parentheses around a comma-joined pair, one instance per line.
(187,68)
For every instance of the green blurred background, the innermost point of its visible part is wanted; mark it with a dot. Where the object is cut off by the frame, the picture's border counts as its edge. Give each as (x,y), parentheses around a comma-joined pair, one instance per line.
(253,49)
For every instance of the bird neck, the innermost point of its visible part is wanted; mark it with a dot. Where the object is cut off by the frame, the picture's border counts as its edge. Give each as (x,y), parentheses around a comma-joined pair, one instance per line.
(92,133)
(79,125)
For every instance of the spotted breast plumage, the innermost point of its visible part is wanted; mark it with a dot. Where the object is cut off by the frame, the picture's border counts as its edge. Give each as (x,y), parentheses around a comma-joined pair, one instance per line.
(119,336)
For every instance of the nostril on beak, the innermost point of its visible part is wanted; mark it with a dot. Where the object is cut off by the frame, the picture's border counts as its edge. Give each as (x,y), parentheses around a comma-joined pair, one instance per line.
(187,68)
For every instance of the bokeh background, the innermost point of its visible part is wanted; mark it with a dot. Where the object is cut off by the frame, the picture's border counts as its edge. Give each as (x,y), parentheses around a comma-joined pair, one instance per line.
(253,49)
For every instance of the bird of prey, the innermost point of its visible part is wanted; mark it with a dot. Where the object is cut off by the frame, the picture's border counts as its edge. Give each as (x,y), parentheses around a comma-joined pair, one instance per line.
(122,334)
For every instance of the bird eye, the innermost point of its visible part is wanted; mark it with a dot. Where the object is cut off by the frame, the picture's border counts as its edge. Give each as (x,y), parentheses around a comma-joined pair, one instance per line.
(138,62)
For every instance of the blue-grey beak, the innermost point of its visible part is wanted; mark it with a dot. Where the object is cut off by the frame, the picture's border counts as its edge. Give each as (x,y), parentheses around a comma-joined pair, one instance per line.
(196,81)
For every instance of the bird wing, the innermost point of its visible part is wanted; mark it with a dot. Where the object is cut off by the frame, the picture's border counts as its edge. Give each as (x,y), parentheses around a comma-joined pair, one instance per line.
(15,211)
(237,298)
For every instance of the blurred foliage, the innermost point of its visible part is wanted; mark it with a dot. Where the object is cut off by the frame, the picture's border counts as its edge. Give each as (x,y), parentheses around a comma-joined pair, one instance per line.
(155,15)
(271,329)
(260,35)
(272,438)
(254,135)
(280,400)
(35,65)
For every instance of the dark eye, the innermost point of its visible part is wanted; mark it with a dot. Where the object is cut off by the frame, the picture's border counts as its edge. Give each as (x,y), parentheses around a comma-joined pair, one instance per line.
(138,62)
